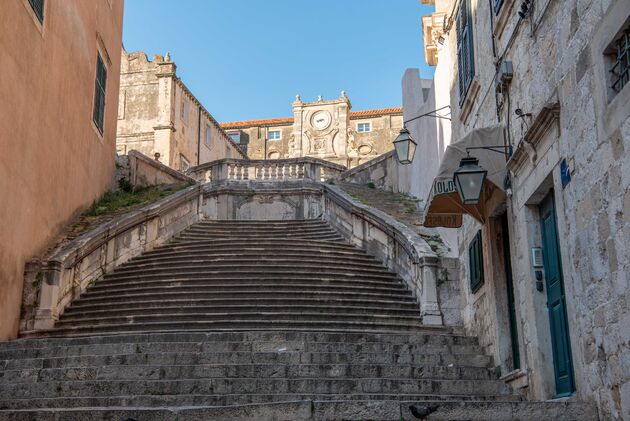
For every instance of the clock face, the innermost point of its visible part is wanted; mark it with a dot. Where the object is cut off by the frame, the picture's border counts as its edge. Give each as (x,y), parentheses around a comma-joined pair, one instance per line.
(321,120)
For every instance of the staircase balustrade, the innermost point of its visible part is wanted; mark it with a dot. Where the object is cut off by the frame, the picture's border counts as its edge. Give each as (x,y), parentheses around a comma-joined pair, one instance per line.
(234,170)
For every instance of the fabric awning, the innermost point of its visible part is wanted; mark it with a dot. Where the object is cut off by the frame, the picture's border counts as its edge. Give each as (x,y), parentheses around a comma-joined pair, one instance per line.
(443,207)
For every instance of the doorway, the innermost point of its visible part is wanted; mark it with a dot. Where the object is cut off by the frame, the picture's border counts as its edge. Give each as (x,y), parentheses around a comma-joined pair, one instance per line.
(556,304)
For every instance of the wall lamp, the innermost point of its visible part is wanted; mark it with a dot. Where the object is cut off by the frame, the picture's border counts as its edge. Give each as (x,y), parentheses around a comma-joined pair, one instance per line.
(469,177)
(404,144)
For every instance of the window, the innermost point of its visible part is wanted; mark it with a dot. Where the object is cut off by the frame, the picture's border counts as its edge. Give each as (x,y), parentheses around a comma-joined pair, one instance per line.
(184,110)
(235,136)
(98,114)
(620,55)
(38,8)
(364,127)
(275,135)
(208,140)
(465,51)
(183,163)
(497,6)
(475,260)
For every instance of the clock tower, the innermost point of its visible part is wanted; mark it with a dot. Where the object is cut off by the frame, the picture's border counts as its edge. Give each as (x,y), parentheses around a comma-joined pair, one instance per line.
(320,129)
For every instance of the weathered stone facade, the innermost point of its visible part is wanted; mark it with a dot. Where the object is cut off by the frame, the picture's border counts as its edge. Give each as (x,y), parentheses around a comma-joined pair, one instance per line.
(571,135)
(325,129)
(157,113)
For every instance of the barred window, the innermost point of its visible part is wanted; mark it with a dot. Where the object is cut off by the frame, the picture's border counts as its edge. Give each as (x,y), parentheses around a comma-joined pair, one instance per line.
(620,69)
(38,8)
(465,51)
(98,114)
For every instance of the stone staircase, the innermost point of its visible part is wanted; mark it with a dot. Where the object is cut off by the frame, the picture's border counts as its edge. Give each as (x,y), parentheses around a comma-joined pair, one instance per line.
(254,320)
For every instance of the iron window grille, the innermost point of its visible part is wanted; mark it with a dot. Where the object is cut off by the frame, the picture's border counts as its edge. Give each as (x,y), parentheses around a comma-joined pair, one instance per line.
(465,50)
(38,8)
(98,115)
(475,260)
(620,69)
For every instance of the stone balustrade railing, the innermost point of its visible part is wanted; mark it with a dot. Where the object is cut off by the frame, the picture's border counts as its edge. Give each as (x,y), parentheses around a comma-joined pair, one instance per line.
(312,169)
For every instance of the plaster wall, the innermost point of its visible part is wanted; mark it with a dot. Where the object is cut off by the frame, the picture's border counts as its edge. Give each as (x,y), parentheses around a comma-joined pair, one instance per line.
(560,77)
(54,161)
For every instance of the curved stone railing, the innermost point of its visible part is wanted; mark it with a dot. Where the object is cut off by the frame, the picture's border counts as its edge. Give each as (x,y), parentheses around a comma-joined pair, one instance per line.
(313,169)
(393,243)
(52,283)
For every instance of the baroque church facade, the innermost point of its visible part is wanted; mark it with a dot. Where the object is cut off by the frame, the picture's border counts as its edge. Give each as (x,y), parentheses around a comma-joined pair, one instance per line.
(325,129)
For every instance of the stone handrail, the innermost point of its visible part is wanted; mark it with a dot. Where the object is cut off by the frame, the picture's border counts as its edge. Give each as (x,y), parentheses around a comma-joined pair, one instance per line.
(382,171)
(52,283)
(313,169)
(393,243)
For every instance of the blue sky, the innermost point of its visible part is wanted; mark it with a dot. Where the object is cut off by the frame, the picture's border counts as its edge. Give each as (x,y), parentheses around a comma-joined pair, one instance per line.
(246,59)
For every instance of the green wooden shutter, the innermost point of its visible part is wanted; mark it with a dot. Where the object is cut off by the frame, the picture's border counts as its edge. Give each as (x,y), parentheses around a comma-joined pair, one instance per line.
(98,114)
(465,49)
(38,8)
(475,260)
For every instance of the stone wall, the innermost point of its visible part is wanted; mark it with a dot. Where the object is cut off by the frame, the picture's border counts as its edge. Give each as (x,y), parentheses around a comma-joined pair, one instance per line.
(381,171)
(569,115)
(53,282)
(55,162)
(141,171)
(159,114)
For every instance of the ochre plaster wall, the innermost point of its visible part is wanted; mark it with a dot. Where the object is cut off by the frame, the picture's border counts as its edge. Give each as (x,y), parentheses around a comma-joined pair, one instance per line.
(53,162)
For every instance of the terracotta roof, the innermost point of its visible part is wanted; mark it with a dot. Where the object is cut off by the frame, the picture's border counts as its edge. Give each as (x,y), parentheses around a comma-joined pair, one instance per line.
(263,122)
(381,111)
(289,120)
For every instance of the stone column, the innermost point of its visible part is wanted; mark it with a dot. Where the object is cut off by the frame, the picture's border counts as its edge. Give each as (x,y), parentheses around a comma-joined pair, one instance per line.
(297,149)
(164,129)
(429,303)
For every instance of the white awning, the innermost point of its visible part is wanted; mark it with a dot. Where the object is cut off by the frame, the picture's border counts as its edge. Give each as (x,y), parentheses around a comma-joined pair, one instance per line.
(443,206)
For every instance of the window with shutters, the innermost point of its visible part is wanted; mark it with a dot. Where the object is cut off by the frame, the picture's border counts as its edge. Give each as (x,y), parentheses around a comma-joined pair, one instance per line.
(465,50)
(497,6)
(475,261)
(38,9)
(98,115)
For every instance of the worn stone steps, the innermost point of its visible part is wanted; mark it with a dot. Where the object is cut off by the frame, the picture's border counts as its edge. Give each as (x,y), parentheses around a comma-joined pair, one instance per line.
(206,371)
(335,407)
(74,314)
(138,356)
(78,387)
(261,281)
(236,319)
(285,302)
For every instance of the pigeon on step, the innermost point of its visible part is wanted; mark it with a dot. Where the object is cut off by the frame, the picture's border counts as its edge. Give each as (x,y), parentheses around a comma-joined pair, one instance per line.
(422,411)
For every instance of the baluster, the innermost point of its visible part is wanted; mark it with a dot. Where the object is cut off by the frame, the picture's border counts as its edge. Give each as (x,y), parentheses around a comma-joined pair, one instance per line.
(259,172)
(230,171)
(300,171)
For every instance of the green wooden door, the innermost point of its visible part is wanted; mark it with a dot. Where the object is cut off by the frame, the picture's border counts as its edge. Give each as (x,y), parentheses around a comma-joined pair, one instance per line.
(556,306)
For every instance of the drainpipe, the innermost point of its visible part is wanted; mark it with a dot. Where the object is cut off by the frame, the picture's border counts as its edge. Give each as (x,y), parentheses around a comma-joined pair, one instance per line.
(199,135)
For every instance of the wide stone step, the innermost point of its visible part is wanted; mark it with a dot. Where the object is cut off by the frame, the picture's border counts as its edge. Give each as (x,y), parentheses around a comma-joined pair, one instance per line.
(233,288)
(138,354)
(315,236)
(278,264)
(240,231)
(257,260)
(261,281)
(430,336)
(239,272)
(263,223)
(86,299)
(278,371)
(229,324)
(209,316)
(251,385)
(318,407)
(74,314)
(236,245)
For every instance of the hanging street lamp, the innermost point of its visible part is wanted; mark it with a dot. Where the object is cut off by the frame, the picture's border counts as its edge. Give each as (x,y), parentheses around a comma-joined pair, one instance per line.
(469,179)
(405,147)
(404,144)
